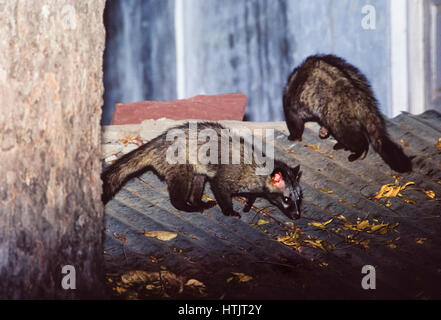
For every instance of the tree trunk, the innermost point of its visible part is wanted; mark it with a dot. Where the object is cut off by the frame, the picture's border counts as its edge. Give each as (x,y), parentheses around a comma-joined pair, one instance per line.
(50,108)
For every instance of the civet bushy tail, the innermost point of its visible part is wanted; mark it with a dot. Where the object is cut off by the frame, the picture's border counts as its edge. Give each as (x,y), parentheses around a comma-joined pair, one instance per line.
(186,181)
(328,90)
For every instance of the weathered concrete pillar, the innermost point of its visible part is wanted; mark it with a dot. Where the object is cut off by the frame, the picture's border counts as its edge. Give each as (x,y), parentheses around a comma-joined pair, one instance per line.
(50,107)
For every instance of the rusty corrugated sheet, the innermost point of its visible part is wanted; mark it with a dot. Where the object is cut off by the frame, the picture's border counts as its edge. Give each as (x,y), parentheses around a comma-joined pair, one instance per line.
(210,247)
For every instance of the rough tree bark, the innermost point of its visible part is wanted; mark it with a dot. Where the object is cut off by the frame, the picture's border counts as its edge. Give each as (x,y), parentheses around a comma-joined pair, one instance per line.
(50,108)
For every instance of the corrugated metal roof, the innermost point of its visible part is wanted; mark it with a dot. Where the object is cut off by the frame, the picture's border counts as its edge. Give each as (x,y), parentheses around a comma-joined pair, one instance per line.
(401,238)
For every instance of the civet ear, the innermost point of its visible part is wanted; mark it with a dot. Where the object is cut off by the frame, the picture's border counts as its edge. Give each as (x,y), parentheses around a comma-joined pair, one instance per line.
(277,178)
(299,175)
(295,171)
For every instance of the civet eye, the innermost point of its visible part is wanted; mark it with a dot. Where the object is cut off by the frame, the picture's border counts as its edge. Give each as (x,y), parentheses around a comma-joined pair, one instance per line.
(285,199)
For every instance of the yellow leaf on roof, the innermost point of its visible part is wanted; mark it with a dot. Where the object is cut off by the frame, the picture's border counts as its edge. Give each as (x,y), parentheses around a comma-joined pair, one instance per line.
(407,184)
(363,225)
(261,222)
(430,193)
(161,235)
(324,190)
(315,244)
(369,228)
(350,226)
(312,146)
(195,283)
(242,277)
(391,190)
(207,197)
(289,240)
(320,225)
(377,227)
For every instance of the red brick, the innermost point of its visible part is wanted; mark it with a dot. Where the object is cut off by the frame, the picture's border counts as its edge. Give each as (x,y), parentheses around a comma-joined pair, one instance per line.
(218,107)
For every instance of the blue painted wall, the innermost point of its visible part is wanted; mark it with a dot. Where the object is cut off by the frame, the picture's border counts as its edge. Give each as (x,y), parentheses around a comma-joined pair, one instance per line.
(250,46)
(139,59)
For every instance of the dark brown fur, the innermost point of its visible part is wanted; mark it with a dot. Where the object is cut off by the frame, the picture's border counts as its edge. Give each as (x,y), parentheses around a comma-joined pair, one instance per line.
(328,90)
(186,181)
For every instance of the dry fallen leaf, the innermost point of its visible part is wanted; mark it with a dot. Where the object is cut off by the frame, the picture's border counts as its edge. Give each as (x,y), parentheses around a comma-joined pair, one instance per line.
(312,146)
(261,222)
(318,244)
(359,226)
(410,201)
(291,239)
(420,240)
(132,140)
(430,193)
(196,284)
(363,225)
(297,240)
(207,197)
(242,277)
(324,190)
(164,278)
(320,225)
(381,228)
(391,190)
(151,287)
(161,235)
(136,276)
(377,227)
